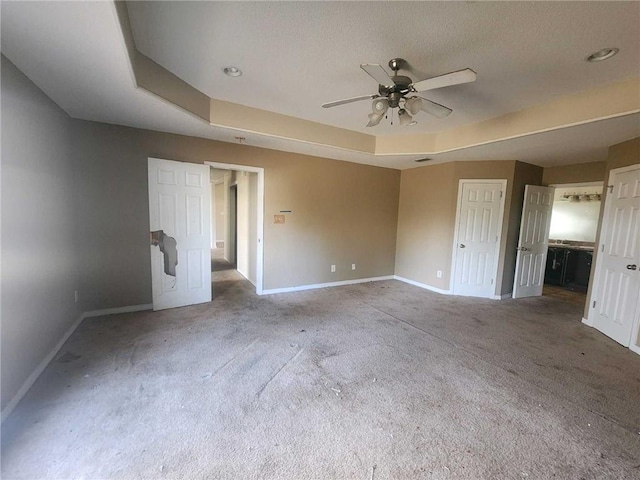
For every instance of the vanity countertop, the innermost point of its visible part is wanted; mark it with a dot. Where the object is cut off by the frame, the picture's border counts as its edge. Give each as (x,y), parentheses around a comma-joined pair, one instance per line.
(570,246)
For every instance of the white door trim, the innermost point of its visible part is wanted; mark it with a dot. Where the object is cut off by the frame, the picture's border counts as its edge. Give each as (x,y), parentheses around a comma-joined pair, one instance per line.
(260,215)
(503,182)
(635,330)
(598,270)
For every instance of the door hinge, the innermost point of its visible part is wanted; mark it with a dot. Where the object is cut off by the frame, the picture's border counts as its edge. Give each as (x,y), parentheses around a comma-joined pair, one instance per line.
(594,304)
(492,281)
(500,193)
(602,248)
(610,187)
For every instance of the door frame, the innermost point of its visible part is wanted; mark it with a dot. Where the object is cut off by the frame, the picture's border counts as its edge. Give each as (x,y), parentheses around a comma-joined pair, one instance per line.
(260,215)
(597,272)
(504,183)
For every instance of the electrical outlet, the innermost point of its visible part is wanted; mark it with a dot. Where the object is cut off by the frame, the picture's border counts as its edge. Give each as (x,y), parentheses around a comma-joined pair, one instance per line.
(75,296)
(353,266)
(439,274)
(333,269)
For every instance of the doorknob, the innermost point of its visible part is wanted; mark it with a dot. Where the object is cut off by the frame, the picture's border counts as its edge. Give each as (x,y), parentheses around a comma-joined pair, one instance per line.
(462,245)
(632,267)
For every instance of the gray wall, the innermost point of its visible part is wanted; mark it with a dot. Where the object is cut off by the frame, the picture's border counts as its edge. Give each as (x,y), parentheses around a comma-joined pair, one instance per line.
(75,217)
(39,268)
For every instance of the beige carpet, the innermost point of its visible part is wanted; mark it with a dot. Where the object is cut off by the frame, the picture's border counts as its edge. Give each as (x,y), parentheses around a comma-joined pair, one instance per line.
(379,380)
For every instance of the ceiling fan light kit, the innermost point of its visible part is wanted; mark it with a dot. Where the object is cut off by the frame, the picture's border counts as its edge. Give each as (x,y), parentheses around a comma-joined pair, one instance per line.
(413,105)
(374,119)
(396,92)
(380,106)
(405,118)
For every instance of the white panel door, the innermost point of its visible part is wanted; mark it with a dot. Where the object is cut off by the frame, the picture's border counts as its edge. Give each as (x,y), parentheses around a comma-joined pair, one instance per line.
(534,238)
(615,300)
(180,220)
(478,226)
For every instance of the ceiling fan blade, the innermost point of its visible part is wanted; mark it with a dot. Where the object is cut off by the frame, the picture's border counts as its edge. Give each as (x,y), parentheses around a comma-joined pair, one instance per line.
(454,78)
(434,108)
(378,73)
(348,100)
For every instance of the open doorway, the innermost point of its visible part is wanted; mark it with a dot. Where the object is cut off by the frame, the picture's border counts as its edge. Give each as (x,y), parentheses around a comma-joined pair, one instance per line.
(237,213)
(572,236)
(222,209)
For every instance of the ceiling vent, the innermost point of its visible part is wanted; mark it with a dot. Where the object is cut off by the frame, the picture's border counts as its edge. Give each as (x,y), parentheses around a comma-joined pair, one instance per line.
(425,159)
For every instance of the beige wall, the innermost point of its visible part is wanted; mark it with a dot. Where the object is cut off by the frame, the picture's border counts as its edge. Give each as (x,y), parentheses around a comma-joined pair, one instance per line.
(343,213)
(247,221)
(623,155)
(39,265)
(578,173)
(427,212)
(230,204)
(219,211)
(426,219)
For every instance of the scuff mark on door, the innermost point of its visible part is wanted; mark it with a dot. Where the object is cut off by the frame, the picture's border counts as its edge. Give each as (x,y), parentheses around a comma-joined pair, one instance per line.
(169,247)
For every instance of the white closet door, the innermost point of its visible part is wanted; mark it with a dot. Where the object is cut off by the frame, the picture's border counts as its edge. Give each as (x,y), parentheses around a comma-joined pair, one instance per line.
(615,302)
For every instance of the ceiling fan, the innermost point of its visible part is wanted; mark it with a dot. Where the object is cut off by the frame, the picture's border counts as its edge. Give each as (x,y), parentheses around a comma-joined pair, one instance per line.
(398,91)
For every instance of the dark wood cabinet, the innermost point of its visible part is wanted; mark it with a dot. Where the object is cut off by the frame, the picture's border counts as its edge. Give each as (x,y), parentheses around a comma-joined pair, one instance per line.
(568,267)
(583,268)
(554,272)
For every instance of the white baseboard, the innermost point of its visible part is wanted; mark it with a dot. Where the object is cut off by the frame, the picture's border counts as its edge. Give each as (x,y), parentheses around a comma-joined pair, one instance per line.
(634,348)
(325,285)
(422,285)
(51,355)
(504,296)
(587,322)
(39,369)
(117,310)
(246,277)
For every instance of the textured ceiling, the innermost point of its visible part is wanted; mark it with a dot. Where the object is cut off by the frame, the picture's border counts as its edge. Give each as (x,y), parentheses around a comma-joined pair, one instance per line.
(75,52)
(297,55)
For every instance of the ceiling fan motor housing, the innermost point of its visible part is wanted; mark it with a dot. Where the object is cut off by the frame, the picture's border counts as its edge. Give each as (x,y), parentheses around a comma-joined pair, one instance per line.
(402,83)
(396,92)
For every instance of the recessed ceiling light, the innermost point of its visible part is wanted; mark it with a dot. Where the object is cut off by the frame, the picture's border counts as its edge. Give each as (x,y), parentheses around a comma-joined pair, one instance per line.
(232,71)
(602,54)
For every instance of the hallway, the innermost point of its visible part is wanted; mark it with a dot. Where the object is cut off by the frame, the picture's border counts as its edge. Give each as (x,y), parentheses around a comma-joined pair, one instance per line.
(224,277)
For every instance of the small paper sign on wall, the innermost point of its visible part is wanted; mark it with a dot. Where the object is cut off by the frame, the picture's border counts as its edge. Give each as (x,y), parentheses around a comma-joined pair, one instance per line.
(278,219)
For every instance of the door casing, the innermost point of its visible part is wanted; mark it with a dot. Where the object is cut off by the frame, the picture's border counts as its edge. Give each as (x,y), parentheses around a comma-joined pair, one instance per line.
(259,216)
(496,294)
